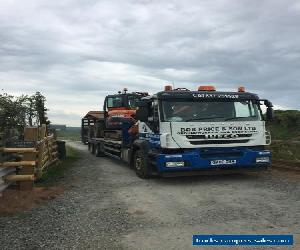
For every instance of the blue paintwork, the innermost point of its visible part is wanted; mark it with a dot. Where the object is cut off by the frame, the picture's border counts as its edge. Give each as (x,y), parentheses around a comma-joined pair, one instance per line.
(153,139)
(195,159)
(200,159)
(125,135)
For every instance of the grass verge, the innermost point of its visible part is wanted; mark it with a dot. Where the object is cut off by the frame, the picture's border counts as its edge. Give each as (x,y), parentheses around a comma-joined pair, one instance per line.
(286,155)
(56,172)
(285,150)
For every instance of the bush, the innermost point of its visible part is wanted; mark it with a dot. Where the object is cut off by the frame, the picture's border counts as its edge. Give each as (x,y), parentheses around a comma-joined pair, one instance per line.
(286,125)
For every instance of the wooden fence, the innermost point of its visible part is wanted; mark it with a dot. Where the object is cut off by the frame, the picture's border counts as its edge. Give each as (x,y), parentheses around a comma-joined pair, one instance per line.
(47,155)
(23,165)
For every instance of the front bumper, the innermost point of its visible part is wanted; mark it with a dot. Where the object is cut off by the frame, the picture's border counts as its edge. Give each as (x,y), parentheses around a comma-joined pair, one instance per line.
(213,158)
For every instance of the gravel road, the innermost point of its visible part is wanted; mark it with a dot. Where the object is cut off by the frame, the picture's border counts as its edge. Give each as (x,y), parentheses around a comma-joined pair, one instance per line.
(105,206)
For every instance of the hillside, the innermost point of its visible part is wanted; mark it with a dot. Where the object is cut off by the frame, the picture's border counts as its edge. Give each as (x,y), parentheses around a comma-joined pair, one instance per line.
(286,125)
(70,133)
(285,130)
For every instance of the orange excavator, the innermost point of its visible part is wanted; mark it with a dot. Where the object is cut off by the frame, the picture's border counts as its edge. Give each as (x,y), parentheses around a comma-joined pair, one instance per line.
(121,108)
(118,109)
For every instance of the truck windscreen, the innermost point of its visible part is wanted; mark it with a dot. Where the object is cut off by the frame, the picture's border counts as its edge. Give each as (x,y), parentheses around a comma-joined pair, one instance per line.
(185,111)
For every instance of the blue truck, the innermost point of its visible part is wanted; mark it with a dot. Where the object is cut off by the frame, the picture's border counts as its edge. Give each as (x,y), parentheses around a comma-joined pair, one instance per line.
(182,132)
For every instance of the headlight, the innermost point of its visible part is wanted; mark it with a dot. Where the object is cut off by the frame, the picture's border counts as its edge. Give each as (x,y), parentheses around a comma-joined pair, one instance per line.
(262,159)
(172,164)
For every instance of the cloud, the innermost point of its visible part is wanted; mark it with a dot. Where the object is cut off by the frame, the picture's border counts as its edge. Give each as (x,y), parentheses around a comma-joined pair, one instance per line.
(76,52)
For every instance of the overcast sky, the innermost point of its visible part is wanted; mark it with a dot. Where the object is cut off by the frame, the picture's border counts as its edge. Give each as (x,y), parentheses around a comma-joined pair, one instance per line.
(76,52)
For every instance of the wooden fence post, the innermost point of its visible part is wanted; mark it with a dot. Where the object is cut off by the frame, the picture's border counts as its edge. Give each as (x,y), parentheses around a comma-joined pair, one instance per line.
(42,132)
(41,149)
(27,170)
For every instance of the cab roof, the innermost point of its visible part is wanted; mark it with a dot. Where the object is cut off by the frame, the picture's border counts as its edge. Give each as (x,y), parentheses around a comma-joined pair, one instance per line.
(206,95)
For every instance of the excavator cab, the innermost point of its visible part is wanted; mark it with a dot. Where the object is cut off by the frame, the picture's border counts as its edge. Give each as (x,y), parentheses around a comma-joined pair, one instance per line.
(121,108)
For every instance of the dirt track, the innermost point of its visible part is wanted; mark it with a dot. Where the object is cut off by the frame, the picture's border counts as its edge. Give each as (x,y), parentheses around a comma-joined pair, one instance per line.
(107,207)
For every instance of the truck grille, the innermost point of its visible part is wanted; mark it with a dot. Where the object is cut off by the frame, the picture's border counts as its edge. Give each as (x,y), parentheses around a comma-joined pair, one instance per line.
(218,142)
(211,154)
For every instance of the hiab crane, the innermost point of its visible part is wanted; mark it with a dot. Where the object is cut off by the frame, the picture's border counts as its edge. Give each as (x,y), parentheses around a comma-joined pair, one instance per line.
(183,132)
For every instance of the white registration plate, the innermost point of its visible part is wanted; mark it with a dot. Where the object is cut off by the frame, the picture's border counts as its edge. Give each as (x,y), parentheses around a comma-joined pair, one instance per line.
(222,162)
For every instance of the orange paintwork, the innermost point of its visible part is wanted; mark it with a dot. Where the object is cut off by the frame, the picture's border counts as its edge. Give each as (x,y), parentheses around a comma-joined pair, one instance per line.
(241,89)
(206,88)
(121,108)
(122,112)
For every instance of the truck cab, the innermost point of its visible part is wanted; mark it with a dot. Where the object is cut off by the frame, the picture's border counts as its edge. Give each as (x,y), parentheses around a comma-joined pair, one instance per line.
(203,130)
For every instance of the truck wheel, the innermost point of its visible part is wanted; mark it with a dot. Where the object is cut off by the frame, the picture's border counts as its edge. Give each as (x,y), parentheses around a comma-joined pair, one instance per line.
(98,151)
(141,165)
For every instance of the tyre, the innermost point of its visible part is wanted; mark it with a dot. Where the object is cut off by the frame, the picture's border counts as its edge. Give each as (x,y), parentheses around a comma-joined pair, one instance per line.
(141,165)
(98,151)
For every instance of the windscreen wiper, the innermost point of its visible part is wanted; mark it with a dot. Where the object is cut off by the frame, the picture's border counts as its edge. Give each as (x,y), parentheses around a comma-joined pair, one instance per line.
(245,117)
(203,118)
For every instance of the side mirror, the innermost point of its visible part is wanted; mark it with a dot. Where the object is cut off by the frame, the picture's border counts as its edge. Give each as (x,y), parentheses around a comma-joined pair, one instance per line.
(268,103)
(270,114)
(142,113)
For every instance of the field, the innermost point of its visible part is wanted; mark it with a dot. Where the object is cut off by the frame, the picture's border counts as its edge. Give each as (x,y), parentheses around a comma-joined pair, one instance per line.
(71,133)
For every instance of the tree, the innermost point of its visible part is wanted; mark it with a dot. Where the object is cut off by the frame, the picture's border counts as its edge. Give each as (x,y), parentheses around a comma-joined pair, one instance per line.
(19,112)
(40,108)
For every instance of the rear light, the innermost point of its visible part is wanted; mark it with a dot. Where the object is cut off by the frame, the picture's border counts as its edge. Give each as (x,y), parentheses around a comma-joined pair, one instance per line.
(206,88)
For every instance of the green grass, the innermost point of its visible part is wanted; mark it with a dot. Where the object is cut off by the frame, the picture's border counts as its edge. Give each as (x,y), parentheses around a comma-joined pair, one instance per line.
(56,172)
(280,132)
(286,151)
(72,134)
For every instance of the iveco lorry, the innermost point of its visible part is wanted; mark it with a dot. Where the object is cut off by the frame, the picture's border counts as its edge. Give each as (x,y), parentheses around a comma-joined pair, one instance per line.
(184,132)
